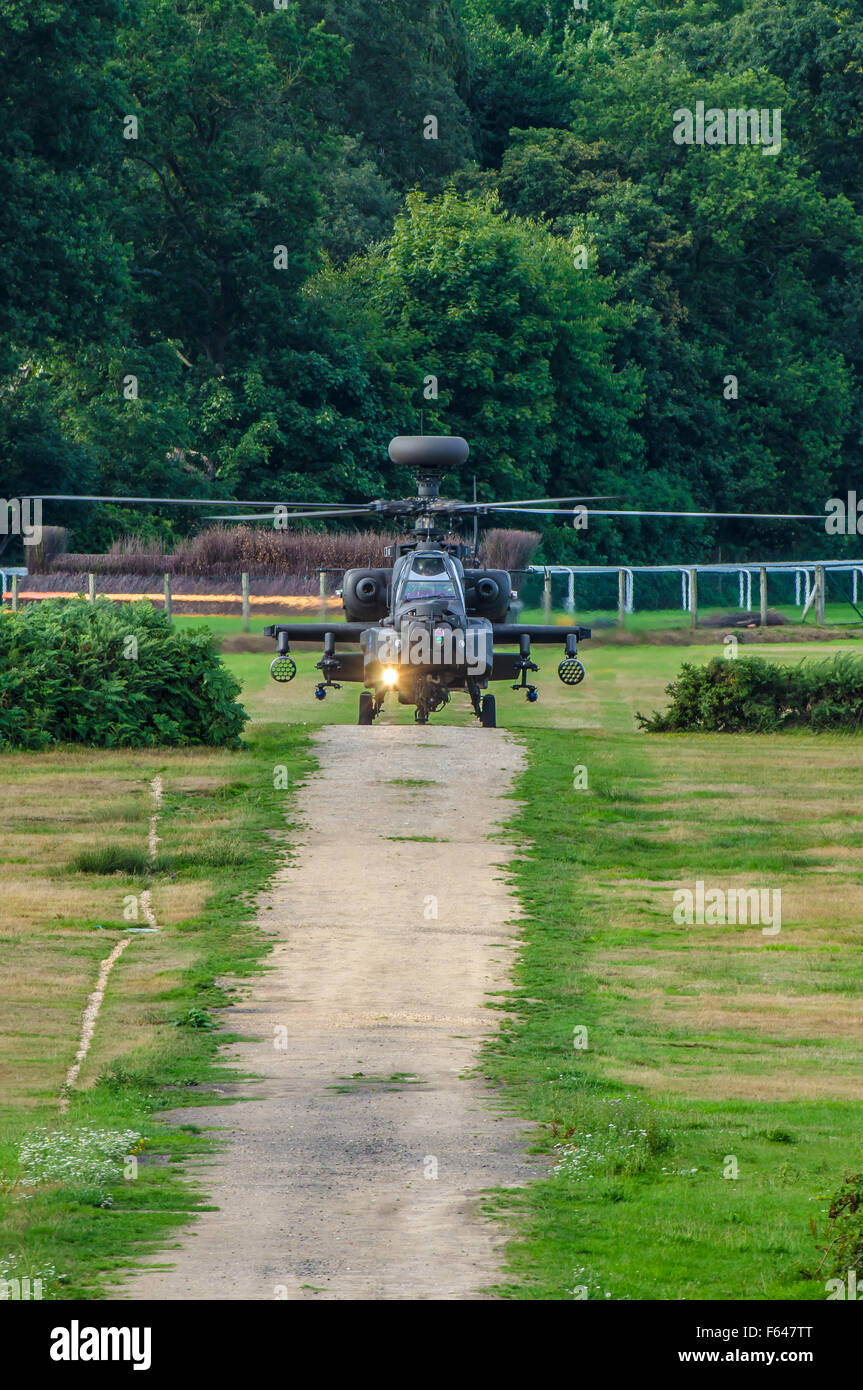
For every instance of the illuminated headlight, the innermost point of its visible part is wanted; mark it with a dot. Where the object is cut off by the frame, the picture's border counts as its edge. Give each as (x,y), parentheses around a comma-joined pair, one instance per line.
(390,675)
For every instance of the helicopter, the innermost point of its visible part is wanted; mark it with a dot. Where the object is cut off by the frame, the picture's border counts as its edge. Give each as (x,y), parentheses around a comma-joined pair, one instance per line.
(433,623)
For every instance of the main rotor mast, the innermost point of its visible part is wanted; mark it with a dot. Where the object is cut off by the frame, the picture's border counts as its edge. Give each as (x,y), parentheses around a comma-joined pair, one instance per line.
(428,457)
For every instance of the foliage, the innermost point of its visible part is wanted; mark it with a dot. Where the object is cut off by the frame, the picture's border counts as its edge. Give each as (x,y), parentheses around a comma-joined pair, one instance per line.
(508,550)
(516,83)
(749,694)
(78,672)
(306,127)
(77,1157)
(223,550)
(517,338)
(63,273)
(842,1241)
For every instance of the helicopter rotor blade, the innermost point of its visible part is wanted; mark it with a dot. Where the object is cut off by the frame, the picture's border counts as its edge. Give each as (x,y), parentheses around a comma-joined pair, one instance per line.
(537,506)
(177,501)
(739,516)
(292,516)
(528,502)
(483,509)
(736,516)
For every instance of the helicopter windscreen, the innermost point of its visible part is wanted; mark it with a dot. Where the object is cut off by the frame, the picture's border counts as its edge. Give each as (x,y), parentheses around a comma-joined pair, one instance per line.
(428,578)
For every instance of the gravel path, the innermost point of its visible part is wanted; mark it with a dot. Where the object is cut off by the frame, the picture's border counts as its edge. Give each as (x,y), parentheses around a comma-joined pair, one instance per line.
(354,1170)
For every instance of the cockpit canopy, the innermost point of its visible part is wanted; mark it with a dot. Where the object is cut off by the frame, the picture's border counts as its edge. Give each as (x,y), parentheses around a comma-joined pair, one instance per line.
(426,577)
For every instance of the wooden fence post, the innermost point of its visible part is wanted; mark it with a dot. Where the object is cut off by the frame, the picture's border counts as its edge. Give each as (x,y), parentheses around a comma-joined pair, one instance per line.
(621,598)
(762,577)
(91,588)
(546,596)
(693,597)
(244,579)
(168,610)
(14,593)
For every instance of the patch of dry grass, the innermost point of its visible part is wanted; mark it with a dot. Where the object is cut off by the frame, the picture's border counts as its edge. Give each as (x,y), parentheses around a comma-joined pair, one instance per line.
(64,802)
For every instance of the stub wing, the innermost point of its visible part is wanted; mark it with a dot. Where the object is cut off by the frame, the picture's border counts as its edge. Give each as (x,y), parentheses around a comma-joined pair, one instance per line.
(316,632)
(504,633)
(542,633)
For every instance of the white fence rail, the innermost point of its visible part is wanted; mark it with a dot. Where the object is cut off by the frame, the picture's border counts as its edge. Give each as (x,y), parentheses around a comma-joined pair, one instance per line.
(810,578)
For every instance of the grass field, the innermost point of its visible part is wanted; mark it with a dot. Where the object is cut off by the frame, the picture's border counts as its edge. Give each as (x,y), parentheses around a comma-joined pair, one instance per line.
(646,620)
(222,822)
(640,623)
(711,1049)
(729,1062)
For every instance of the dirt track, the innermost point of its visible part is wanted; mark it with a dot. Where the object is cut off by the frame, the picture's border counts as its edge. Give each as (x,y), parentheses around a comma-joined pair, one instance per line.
(362,1031)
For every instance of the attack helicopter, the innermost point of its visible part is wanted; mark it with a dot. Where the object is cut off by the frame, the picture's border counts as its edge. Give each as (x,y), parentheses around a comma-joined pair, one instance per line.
(434,622)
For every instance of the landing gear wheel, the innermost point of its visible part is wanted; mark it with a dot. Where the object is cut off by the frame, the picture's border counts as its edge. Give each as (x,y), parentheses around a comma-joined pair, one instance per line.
(367,708)
(487,716)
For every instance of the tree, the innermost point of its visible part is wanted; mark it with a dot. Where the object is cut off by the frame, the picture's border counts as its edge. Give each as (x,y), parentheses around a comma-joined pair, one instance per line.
(223,172)
(518,340)
(727,265)
(63,274)
(515,81)
(408,61)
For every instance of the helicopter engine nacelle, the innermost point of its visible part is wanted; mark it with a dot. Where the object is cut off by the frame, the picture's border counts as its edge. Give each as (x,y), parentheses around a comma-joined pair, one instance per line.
(365,595)
(488,593)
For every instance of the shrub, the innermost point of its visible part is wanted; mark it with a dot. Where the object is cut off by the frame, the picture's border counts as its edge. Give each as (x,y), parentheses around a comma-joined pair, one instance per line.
(509,550)
(227,550)
(842,1243)
(263,551)
(78,672)
(748,694)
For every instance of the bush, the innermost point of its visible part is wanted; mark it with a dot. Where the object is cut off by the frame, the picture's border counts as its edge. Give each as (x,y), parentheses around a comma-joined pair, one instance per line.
(509,550)
(263,551)
(97,673)
(228,550)
(842,1243)
(748,694)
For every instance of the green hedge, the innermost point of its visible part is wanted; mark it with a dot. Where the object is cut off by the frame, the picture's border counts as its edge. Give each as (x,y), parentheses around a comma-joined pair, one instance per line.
(111,676)
(748,694)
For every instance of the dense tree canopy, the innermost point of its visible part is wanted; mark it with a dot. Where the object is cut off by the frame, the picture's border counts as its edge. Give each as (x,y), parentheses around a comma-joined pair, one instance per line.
(244,242)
